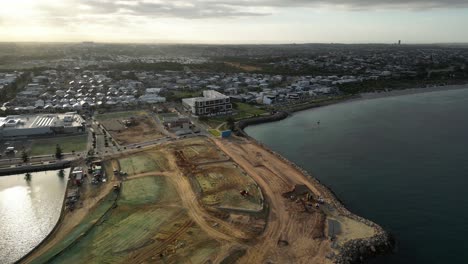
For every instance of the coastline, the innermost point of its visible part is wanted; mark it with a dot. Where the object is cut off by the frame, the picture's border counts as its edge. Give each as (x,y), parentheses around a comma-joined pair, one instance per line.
(411,91)
(359,250)
(351,251)
(242,124)
(444,98)
(354,251)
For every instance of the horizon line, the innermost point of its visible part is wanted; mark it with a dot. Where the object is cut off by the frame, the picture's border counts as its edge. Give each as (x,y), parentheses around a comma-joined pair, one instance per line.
(232,44)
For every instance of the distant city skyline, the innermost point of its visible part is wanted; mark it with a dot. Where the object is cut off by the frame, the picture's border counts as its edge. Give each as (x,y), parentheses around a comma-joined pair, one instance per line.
(235,22)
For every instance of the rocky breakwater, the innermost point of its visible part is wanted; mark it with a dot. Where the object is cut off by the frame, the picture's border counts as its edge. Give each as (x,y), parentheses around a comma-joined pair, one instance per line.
(259,120)
(359,250)
(354,251)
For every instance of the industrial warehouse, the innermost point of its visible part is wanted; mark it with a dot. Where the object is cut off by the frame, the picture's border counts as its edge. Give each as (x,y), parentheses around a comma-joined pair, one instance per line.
(41,124)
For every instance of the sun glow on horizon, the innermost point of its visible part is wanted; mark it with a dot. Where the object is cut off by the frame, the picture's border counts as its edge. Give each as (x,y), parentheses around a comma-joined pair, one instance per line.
(205,21)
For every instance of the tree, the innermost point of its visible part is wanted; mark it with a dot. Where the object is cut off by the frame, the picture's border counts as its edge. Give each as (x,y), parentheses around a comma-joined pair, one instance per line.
(231,123)
(58,152)
(27,176)
(61,173)
(24,156)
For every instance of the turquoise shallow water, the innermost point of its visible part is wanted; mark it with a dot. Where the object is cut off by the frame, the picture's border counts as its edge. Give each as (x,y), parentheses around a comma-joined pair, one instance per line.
(399,161)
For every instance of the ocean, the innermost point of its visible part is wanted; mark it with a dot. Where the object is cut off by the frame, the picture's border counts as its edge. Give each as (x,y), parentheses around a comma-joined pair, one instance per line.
(399,161)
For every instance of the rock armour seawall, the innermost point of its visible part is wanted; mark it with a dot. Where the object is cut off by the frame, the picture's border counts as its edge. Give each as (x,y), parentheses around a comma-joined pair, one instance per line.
(354,251)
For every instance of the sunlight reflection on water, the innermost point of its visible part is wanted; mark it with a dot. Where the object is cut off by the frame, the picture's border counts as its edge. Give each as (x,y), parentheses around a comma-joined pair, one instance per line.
(28,211)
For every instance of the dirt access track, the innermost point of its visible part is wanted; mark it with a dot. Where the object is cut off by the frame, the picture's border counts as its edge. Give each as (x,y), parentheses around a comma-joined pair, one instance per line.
(239,204)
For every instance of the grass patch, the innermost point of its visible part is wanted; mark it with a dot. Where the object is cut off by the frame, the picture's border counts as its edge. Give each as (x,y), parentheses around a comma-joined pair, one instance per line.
(243,111)
(215,132)
(68,144)
(247,110)
(147,190)
(214,122)
(177,96)
(79,230)
(144,225)
(143,163)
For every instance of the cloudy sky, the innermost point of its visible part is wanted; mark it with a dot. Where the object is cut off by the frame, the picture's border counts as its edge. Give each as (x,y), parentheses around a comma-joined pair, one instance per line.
(235,21)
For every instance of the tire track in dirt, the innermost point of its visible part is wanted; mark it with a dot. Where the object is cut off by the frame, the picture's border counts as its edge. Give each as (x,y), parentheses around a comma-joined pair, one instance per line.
(274,178)
(150,253)
(200,215)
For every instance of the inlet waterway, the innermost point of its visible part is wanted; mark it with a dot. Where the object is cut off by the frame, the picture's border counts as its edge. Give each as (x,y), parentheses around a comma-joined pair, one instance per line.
(28,211)
(399,161)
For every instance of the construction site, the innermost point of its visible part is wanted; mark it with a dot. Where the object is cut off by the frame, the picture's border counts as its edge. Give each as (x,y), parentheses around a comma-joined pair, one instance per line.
(130,127)
(202,200)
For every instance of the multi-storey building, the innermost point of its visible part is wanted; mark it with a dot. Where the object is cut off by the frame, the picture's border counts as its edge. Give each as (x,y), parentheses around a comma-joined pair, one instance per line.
(211,104)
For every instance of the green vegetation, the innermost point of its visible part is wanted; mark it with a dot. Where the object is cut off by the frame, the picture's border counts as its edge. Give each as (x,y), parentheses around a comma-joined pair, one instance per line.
(58,152)
(311,103)
(401,84)
(213,122)
(9,92)
(140,66)
(143,227)
(67,144)
(247,110)
(243,111)
(143,163)
(85,226)
(230,123)
(214,132)
(177,96)
(147,190)
(24,156)
(174,66)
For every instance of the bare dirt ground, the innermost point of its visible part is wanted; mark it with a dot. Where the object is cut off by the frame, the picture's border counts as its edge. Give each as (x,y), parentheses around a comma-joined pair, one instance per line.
(285,226)
(144,129)
(284,231)
(199,151)
(285,223)
(220,185)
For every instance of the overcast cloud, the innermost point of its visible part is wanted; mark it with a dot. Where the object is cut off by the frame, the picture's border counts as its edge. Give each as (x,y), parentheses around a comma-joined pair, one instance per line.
(234,20)
(199,9)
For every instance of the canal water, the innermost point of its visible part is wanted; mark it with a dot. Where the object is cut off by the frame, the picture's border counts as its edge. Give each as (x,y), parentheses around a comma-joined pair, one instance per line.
(28,211)
(399,161)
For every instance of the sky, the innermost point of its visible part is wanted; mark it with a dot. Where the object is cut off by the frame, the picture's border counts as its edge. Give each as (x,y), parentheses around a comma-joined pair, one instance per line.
(235,21)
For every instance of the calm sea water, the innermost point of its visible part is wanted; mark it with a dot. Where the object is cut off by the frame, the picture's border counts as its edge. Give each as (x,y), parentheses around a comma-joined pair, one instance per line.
(399,161)
(28,211)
